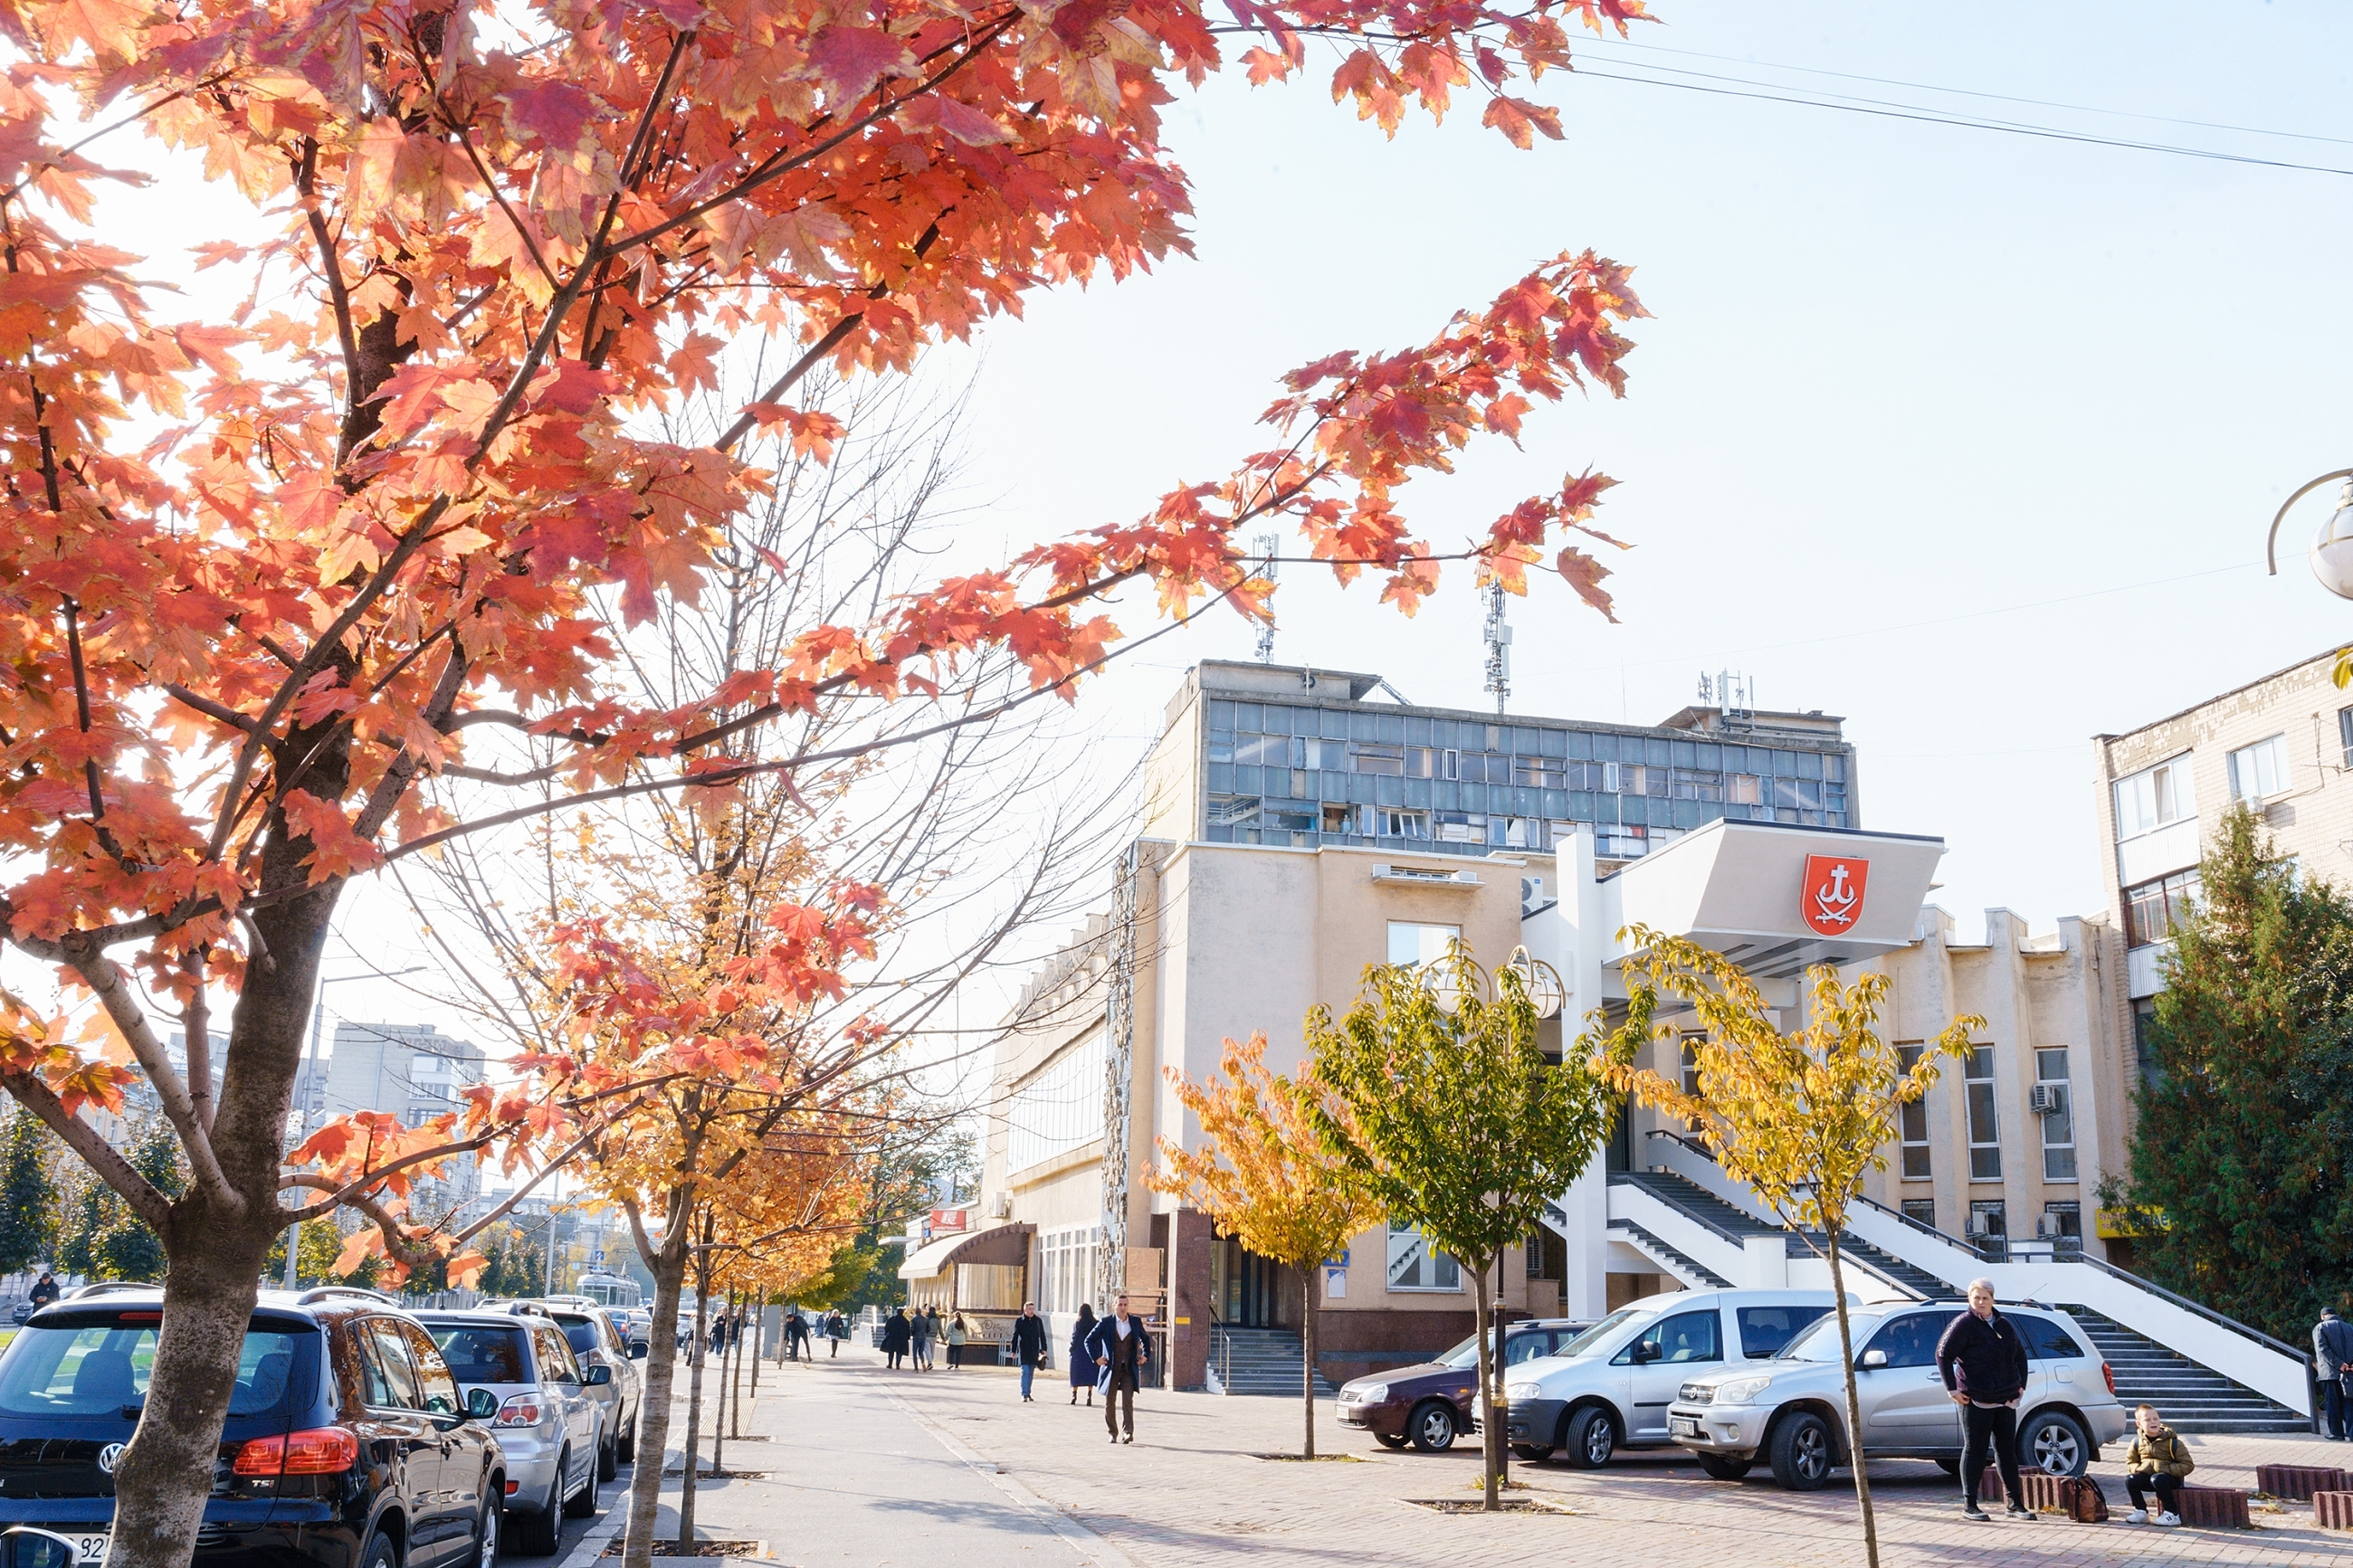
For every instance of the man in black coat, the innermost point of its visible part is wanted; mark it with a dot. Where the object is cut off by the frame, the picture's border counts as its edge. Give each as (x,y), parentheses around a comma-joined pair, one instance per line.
(1983,1362)
(1029,1346)
(2332,1358)
(1120,1343)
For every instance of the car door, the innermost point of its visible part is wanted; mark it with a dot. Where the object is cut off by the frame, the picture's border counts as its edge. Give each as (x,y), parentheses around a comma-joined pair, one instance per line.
(1905,1402)
(1678,1346)
(396,1401)
(560,1376)
(464,1444)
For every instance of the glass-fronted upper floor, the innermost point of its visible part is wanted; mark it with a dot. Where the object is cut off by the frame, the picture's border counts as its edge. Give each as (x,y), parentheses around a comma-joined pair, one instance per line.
(1308,773)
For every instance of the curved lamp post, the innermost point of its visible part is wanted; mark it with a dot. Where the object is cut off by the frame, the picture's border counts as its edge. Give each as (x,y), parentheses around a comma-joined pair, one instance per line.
(2332,548)
(1542,982)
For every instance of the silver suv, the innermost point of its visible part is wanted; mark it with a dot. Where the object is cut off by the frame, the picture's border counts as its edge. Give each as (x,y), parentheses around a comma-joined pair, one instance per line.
(1791,1411)
(548,1424)
(596,1338)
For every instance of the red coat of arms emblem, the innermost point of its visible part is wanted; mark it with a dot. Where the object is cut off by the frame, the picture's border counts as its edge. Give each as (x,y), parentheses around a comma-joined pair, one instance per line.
(1833,892)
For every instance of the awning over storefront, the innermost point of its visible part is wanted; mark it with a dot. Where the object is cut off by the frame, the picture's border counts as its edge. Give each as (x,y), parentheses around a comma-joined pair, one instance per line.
(1006,1245)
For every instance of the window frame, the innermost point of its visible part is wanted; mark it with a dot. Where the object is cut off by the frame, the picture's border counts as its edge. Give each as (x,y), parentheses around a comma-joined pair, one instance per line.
(1980,1094)
(1918,1162)
(2268,754)
(1434,1259)
(2168,782)
(2064,1123)
(1452,933)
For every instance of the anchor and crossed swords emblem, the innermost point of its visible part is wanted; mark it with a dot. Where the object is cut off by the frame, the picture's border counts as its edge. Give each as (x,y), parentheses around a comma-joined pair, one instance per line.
(1833,892)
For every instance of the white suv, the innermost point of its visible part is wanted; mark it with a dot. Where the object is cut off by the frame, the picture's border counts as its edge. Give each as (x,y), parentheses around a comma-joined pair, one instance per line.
(1610,1386)
(1792,1411)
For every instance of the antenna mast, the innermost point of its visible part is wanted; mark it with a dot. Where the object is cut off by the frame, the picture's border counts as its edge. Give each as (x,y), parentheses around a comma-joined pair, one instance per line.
(1499,647)
(1265,568)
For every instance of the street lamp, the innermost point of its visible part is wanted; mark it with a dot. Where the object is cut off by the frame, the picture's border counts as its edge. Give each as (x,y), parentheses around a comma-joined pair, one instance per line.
(1541,981)
(308,1082)
(2332,549)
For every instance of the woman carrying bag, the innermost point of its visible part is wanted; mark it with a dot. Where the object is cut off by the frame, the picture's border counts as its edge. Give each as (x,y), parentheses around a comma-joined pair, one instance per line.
(1082,1360)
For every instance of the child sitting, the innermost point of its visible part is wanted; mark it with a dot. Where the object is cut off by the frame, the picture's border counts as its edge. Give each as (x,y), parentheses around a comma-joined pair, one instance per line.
(2157,1462)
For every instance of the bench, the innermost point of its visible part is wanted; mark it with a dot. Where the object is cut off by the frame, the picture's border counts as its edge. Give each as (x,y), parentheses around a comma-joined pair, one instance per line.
(2299,1483)
(2333,1509)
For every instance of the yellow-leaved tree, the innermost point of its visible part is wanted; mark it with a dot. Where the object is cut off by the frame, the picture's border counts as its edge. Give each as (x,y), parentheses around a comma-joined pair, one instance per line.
(1801,1117)
(1263,1173)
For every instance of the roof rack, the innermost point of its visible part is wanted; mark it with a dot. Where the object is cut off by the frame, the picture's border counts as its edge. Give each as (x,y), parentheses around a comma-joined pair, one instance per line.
(322,1292)
(107,1287)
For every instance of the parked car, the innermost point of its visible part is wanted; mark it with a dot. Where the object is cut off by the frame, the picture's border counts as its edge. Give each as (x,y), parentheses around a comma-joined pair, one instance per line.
(348,1443)
(1792,1413)
(597,1340)
(546,1417)
(1429,1403)
(1610,1386)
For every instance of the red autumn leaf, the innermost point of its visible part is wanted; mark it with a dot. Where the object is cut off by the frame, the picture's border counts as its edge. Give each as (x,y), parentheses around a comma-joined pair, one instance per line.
(852,60)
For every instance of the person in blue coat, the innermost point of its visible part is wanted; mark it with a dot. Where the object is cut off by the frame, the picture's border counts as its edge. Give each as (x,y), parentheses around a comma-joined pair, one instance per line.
(1121,1345)
(1082,1356)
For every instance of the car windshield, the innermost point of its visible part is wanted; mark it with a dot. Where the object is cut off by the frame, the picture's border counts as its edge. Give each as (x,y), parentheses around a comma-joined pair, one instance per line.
(1821,1342)
(97,1365)
(481,1354)
(1592,1337)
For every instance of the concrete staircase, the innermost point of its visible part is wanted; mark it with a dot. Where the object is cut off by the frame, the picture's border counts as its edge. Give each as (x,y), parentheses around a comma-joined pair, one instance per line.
(1265,1361)
(1695,1276)
(1687,1196)
(2191,1398)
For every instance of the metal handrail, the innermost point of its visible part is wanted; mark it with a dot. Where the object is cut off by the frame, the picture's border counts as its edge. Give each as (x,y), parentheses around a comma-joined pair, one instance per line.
(1701,1149)
(1971,1247)
(1633,1179)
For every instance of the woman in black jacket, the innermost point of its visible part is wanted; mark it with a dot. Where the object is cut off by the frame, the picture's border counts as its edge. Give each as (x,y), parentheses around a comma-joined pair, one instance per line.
(1082,1360)
(896,1333)
(1983,1363)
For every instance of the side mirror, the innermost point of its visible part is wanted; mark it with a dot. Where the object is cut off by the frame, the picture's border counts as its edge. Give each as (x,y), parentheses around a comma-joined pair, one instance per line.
(1872,1359)
(637,1349)
(1646,1352)
(481,1405)
(599,1376)
(26,1547)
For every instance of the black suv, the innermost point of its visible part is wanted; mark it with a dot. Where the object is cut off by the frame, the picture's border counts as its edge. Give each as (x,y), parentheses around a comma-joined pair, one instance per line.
(347,1444)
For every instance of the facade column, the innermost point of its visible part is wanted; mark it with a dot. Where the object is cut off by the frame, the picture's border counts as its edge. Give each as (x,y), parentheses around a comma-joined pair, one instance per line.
(1585,1285)
(1191,1238)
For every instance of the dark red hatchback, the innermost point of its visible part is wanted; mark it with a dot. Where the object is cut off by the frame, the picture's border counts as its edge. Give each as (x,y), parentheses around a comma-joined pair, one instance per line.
(1429,1403)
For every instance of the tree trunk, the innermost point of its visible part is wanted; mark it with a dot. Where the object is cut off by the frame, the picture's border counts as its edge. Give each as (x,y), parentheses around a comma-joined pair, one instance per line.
(214,1252)
(1307,1294)
(669,1267)
(1853,1406)
(1491,1430)
(694,1399)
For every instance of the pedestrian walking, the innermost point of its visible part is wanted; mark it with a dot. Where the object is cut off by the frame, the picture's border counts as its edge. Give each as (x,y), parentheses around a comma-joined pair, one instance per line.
(897,1333)
(836,1328)
(939,1337)
(921,1344)
(1121,1347)
(2157,1462)
(797,1335)
(2332,1358)
(1983,1363)
(1029,1346)
(719,1334)
(957,1334)
(1082,1356)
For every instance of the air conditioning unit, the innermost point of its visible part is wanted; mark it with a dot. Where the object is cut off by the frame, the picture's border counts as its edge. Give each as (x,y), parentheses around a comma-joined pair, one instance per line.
(2045,1226)
(1000,1205)
(2047,1099)
(1981,1225)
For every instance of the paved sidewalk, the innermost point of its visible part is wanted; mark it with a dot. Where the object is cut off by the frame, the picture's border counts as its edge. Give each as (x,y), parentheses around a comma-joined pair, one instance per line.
(1190,1494)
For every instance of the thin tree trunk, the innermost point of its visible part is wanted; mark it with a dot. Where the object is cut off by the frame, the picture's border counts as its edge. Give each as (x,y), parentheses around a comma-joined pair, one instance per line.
(1307,1293)
(730,1337)
(694,1395)
(1854,1405)
(669,1267)
(1490,1448)
(735,1378)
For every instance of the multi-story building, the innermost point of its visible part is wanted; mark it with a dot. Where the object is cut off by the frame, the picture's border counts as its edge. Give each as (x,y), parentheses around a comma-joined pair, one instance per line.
(2281,744)
(414,1071)
(1365,831)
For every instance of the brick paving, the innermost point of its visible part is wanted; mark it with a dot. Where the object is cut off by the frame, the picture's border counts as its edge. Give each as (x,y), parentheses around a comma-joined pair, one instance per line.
(1190,1494)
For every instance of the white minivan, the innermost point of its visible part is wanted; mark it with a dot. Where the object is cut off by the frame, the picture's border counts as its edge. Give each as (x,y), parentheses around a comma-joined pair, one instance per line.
(1610,1386)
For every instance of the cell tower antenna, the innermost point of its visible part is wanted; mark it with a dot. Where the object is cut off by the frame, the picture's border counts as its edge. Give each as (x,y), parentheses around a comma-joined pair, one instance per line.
(1265,568)
(1499,647)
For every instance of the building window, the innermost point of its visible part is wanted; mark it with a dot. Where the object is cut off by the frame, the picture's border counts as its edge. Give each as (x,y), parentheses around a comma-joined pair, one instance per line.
(1411,944)
(1397,823)
(1923,1210)
(2153,798)
(2062,1226)
(2144,1051)
(1985,1126)
(1371,757)
(2260,772)
(1744,789)
(2057,1113)
(2154,908)
(1912,1123)
(1989,1228)
(1415,1265)
(1066,1271)
(1057,1109)
(1691,1064)
(2345,733)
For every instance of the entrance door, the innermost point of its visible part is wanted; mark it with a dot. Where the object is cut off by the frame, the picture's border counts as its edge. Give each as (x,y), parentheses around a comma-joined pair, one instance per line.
(1253,1295)
(1618,1154)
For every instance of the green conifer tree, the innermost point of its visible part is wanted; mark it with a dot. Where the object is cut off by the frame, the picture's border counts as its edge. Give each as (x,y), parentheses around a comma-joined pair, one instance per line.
(124,1248)
(2239,1162)
(29,1195)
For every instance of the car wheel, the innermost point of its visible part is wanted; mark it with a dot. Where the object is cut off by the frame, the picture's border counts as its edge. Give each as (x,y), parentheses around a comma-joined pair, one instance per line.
(1801,1453)
(379,1554)
(539,1533)
(2052,1441)
(486,1532)
(582,1504)
(1949,1463)
(1390,1440)
(1431,1426)
(608,1461)
(1723,1467)
(1533,1453)
(628,1445)
(1592,1438)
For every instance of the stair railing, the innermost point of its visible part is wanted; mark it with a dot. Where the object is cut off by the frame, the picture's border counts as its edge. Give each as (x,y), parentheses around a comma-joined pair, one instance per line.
(1221,1353)
(1701,1149)
(2294,1353)
(1974,1249)
(1635,1179)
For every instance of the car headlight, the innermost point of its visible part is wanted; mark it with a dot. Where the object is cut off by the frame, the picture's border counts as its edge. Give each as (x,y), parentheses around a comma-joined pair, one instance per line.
(1373,1393)
(1741,1390)
(1515,1392)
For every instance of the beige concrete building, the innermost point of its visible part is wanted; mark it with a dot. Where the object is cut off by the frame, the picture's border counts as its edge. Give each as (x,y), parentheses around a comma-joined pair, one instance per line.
(1363,831)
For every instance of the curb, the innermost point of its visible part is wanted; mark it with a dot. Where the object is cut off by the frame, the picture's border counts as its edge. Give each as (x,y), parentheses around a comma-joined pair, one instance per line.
(1093,1547)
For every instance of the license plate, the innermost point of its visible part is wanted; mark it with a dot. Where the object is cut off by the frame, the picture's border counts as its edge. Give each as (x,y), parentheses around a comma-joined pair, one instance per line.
(1681,1426)
(89,1548)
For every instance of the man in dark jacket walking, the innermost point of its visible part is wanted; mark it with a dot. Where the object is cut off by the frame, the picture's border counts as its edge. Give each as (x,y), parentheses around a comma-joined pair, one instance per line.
(1029,1346)
(1983,1363)
(2332,1358)
(1120,1343)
